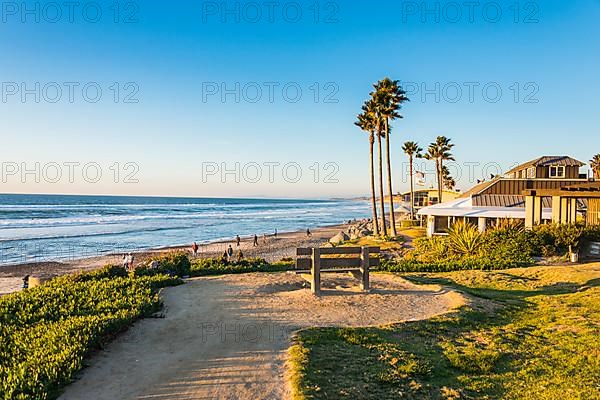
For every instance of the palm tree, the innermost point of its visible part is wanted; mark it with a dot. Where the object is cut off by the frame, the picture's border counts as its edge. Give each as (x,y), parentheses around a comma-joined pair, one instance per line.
(389,97)
(595,164)
(412,150)
(447,179)
(379,124)
(440,152)
(368,123)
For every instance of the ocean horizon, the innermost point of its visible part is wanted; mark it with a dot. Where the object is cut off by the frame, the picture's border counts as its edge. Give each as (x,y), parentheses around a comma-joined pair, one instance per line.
(50,227)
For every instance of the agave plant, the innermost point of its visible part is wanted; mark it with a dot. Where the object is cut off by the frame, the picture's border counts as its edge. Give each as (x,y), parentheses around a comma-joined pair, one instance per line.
(464,239)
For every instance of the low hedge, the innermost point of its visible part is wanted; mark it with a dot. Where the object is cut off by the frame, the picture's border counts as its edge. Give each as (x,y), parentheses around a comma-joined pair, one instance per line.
(172,264)
(450,265)
(216,266)
(47,331)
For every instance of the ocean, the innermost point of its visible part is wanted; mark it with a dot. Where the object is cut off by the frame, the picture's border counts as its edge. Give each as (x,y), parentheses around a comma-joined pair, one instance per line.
(37,228)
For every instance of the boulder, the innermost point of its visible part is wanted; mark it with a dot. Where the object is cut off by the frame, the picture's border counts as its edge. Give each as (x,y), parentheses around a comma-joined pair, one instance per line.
(339,238)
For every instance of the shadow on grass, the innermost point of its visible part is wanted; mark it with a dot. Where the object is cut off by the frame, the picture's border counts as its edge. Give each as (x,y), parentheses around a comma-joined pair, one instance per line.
(447,357)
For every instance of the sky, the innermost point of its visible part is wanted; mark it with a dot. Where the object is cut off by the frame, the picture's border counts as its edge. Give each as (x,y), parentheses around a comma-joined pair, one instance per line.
(258,99)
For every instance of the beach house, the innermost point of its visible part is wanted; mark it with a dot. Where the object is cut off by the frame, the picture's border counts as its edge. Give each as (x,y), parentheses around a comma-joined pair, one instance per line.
(505,197)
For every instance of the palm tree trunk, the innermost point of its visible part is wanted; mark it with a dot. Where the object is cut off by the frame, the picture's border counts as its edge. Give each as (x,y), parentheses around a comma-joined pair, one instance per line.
(381,199)
(373,201)
(440,181)
(389,177)
(439,174)
(412,189)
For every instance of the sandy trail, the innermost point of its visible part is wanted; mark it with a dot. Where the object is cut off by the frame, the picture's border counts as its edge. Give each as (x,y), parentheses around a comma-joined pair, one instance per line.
(226,337)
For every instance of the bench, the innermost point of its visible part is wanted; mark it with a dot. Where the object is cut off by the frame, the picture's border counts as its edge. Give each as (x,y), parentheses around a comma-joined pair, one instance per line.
(357,261)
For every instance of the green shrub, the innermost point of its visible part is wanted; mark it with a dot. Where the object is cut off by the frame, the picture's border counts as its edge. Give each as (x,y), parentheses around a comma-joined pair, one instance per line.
(47,331)
(173,264)
(216,266)
(477,263)
(510,242)
(108,272)
(431,249)
(464,239)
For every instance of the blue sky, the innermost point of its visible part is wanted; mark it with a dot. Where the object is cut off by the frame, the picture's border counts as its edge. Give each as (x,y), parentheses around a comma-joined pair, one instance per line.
(180,135)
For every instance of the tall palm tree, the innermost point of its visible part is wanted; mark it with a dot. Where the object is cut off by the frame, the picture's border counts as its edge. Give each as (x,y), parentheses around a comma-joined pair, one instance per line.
(595,164)
(367,122)
(440,152)
(445,146)
(389,97)
(433,155)
(412,150)
(380,134)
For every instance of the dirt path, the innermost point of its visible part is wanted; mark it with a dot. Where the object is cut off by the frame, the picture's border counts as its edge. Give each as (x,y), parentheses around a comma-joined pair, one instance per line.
(226,337)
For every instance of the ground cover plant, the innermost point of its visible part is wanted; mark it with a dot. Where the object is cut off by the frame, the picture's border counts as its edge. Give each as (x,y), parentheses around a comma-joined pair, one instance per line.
(47,331)
(217,266)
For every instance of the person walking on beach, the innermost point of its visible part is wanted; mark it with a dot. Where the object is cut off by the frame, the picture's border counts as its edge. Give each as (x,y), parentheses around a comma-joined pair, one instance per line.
(195,249)
(255,244)
(308,233)
(230,253)
(125,261)
(130,259)
(238,240)
(275,234)
(240,256)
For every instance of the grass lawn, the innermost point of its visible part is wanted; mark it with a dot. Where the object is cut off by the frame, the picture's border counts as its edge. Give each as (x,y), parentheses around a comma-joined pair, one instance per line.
(531,333)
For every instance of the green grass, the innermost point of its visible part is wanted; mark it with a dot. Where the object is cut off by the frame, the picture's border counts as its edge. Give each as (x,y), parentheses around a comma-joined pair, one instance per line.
(530,333)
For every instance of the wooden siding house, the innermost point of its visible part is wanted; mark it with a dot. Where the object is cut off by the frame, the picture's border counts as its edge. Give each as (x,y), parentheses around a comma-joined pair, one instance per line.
(504,196)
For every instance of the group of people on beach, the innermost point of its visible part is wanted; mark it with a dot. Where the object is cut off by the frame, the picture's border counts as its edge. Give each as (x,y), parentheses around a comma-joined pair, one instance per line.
(228,254)
(128,260)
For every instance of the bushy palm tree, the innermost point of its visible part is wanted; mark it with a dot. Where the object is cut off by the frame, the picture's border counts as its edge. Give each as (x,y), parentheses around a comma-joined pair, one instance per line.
(439,151)
(367,121)
(595,164)
(412,150)
(388,98)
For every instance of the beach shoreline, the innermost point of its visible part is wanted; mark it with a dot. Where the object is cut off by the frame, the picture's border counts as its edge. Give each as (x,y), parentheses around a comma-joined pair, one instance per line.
(270,248)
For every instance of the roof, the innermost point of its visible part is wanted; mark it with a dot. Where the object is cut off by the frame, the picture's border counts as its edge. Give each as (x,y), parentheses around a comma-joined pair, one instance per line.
(464,207)
(480,187)
(456,192)
(505,200)
(546,161)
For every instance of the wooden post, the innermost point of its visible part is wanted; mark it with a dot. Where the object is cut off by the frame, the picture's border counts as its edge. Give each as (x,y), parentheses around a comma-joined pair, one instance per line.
(315,284)
(529,212)
(557,209)
(364,268)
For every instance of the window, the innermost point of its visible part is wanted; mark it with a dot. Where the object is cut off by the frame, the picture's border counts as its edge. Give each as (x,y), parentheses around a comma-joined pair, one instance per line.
(557,171)
(531,172)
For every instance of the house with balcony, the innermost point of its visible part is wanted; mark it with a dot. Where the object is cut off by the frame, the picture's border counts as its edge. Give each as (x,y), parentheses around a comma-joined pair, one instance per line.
(504,197)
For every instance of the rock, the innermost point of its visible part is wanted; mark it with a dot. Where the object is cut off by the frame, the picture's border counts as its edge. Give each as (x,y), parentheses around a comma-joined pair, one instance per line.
(339,238)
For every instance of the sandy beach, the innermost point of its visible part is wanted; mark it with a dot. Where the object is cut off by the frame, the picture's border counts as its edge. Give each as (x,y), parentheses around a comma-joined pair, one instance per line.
(270,248)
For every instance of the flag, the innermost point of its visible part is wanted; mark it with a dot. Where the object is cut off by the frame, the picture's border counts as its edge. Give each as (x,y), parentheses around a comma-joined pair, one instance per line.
(420,178)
